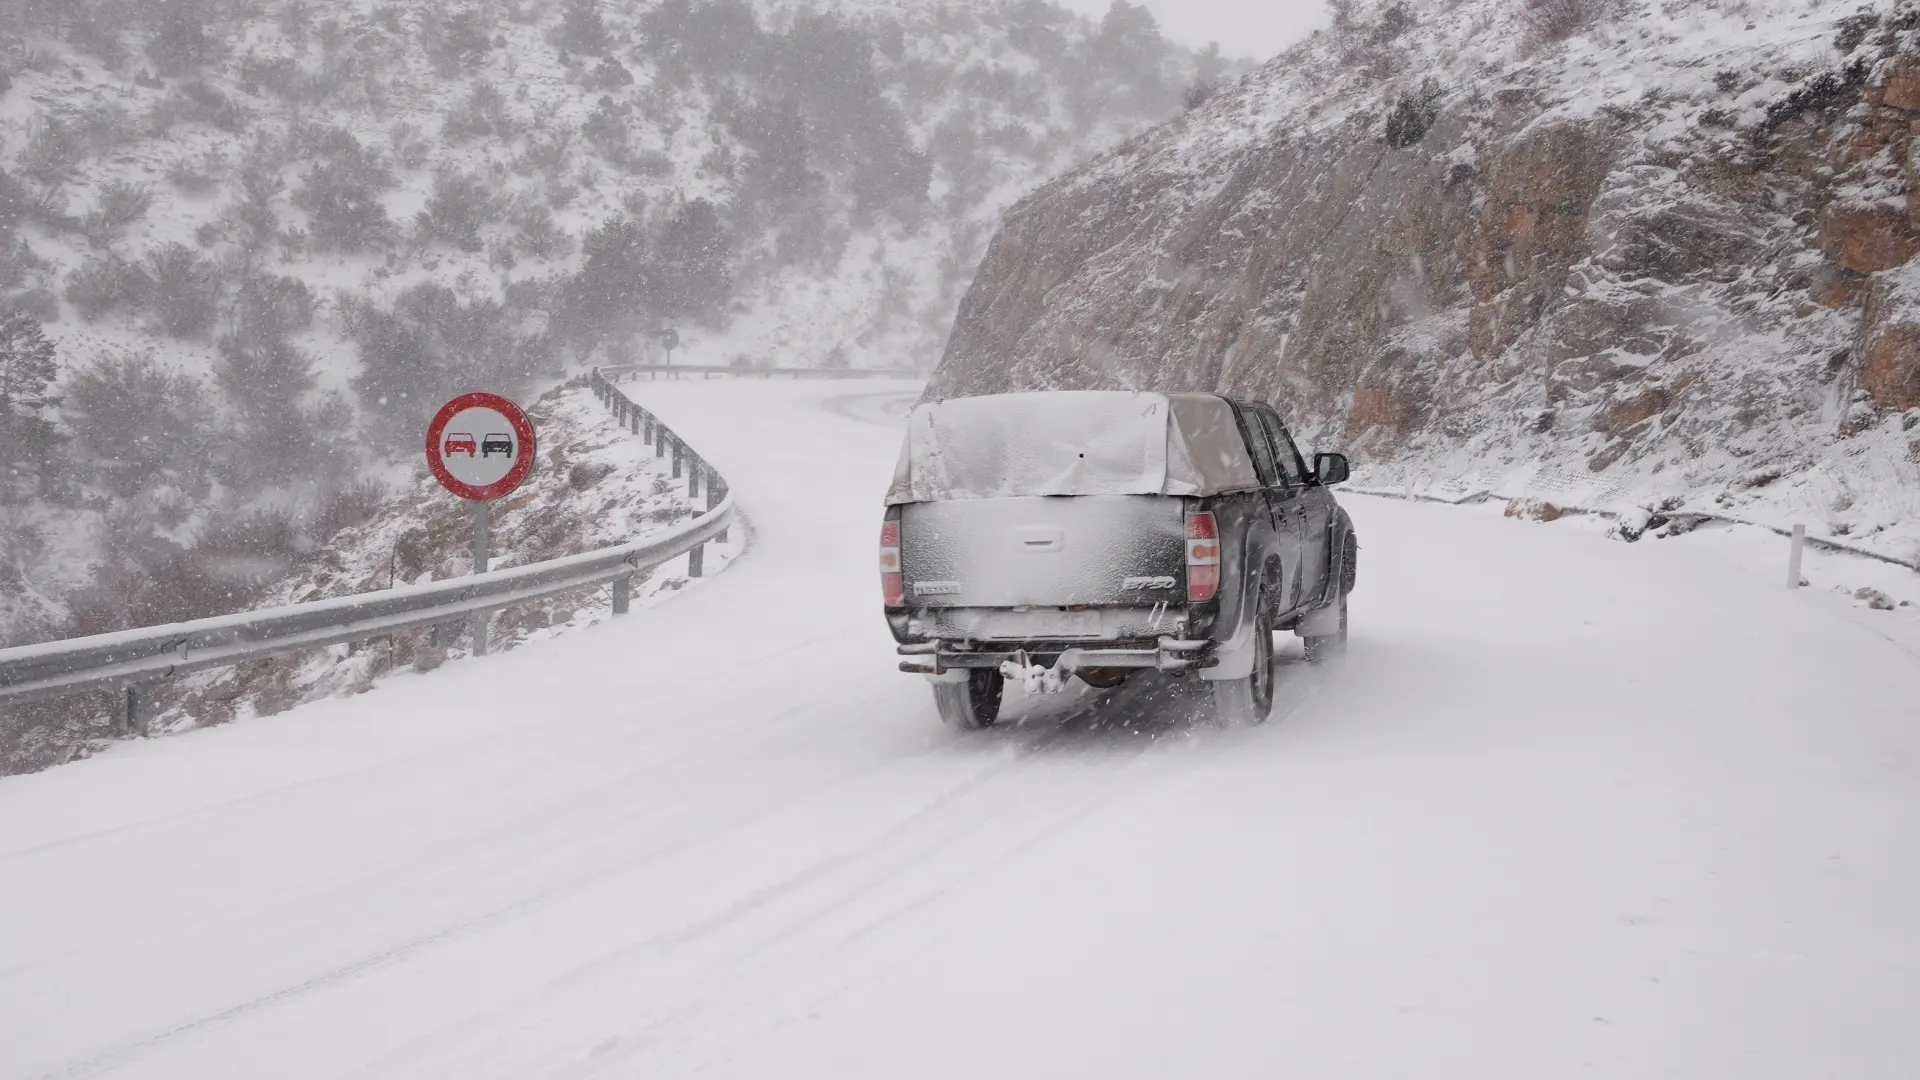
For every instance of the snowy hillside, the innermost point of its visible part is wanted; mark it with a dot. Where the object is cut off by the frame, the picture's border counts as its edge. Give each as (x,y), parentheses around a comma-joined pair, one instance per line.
(1645,257)
(266,239)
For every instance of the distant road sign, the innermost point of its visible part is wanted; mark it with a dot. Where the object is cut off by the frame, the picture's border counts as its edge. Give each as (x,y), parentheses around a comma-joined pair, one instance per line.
(480,446)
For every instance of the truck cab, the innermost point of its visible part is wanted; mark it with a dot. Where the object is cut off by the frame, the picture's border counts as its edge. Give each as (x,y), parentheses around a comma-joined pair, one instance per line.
(1100,535)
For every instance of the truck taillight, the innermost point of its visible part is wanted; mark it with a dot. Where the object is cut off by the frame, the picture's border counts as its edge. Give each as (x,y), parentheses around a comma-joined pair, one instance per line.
(891,588)
(1203,557)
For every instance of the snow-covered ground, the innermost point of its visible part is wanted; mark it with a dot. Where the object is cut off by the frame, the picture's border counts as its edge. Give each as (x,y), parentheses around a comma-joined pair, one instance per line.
(1571,806)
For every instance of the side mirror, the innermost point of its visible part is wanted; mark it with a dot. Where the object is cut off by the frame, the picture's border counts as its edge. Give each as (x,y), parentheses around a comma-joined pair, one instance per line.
(1329,468)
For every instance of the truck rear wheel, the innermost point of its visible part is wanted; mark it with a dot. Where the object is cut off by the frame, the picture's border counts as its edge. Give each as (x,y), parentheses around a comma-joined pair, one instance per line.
(972,704)
(1248,701)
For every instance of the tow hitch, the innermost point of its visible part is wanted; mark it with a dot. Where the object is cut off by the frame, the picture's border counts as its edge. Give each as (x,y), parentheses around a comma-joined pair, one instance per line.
(1035,678)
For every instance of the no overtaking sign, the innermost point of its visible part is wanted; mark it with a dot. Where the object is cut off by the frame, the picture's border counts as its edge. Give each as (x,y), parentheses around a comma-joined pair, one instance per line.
(480,446)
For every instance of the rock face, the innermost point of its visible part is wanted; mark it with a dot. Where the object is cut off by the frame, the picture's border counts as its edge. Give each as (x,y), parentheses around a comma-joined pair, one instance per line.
(1656,262)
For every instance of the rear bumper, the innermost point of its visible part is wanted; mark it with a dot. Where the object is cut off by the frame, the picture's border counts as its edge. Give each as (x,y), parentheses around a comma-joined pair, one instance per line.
(1167,654)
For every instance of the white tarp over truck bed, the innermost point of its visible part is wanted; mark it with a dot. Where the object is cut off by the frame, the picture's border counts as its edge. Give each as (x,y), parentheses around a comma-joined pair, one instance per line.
(1071,442)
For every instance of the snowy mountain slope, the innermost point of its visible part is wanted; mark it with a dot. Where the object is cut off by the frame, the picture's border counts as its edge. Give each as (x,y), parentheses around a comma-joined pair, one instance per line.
(1570,805)
(1630,256)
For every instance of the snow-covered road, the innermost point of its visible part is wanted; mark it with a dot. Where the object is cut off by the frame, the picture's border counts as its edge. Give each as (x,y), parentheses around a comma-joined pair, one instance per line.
(1571,806)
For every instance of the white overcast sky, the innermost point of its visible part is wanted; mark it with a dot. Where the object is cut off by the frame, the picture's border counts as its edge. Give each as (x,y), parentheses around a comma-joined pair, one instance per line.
(1251,28)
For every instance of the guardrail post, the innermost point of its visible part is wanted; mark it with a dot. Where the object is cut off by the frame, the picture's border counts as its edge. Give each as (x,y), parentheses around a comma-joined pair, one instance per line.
(133,723)
(647,422)
(661,437)
(633,420)
(693,477)
(679,457)
(696,563)
(714,491)
(622,594)
(1794,548)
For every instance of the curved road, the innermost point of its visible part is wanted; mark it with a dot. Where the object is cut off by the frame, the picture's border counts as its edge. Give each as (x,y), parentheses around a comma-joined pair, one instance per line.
(1570,806)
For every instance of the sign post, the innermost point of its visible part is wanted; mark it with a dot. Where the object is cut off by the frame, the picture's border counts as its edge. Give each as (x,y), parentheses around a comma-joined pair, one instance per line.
(480,447)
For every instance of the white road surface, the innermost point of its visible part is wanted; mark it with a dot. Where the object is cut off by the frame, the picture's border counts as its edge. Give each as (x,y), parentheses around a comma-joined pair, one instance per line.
(1571,807)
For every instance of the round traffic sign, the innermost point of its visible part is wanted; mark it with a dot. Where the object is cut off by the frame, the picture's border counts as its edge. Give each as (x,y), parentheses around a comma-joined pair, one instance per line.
(480,446)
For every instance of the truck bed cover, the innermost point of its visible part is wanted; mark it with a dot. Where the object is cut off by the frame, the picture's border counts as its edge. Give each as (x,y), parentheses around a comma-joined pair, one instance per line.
(1071,442)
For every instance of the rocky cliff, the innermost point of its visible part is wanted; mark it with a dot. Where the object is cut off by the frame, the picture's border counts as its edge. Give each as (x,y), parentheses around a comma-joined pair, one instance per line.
(1630,254)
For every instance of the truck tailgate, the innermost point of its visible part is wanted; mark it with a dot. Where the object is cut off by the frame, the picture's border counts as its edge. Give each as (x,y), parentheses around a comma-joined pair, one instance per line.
(1044,551)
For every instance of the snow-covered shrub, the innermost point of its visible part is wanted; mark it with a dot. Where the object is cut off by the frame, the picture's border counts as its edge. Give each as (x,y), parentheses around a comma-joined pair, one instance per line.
(277,435)
(198,102)
(886,170)
(582,30)
(432,344)
(138,422)
(105,284)
(183,290)
(28,367)
(269,308)
(15,203)
(52,154)
(455,43)
(459,206)
(178,41)
(482,114)
(608,75)
(345,507)
(1557,20)
(1851,30)
(606,131)
(608,297)
(105,127)
(198,174)
(17,260)
(1197,93)
(253,211)
(119,205)
(539,237)
(39,301)
(341,192)
(1825,90)
(689,271)
(1412,115)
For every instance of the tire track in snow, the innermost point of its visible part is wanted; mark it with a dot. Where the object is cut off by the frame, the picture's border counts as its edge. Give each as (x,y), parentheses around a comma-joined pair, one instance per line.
(589,803)
(112,1057)
(1124,727)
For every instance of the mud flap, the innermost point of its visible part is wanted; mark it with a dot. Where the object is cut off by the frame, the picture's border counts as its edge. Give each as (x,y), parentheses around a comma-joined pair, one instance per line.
(1320,622)
(1233,657)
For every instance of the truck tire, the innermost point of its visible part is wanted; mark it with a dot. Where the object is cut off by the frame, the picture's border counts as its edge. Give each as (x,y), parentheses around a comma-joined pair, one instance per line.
(1248,701)
(1323,647)
(973,704)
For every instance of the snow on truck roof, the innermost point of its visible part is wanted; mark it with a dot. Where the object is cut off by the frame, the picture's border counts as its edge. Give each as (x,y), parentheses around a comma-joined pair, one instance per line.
(1071,442)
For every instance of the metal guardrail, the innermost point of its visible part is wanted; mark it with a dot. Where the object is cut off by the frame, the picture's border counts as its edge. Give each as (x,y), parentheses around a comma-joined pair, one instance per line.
(620,372)
(128,658)
(1479,495)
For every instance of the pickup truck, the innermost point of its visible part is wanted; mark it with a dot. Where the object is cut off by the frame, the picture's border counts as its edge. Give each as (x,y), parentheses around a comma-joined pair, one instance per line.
(1101,534)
